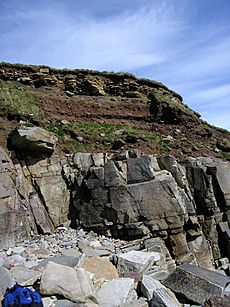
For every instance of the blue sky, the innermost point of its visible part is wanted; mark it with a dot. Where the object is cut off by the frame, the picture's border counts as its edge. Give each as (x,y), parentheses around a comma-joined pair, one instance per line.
(184,44)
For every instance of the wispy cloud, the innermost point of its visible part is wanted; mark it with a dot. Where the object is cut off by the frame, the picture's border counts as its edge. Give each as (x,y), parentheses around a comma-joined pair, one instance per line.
(184,44)
(122,42)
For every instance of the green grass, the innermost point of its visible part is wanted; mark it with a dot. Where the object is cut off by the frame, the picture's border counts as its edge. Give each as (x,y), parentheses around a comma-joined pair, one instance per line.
(72,146)
(56,129)
(226,156)
(165,146)
(103,131)
(16,99)
(97,135)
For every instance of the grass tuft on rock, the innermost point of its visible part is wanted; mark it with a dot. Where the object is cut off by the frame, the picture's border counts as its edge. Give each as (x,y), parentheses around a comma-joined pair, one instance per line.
(16,99)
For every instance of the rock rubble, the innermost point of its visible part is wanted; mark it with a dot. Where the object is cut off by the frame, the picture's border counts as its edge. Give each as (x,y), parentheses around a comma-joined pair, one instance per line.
(124,275)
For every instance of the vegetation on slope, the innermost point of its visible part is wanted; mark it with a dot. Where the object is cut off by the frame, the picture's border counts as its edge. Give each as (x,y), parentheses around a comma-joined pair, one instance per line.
(16,100)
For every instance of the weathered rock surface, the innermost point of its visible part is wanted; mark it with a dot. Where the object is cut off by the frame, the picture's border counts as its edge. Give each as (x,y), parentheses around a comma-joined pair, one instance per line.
(157,294)
(33,139)
(6,280)
(74,285)
(14,224)
(136,261)
(24,276)
(117,292)
(195,283)
(186,204)
(218,301)
(141,302)
(101,268)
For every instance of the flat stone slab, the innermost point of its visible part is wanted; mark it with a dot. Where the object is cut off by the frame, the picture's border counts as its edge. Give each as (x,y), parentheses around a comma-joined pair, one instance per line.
(24,276)
(195,283)
(157,294)
(101,268)
(117,292)
(34,138)
(73,284)
(136,261)
(6,280)
(64,260)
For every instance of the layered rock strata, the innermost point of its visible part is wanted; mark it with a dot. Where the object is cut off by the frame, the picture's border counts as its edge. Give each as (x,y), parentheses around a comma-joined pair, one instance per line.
(184,204)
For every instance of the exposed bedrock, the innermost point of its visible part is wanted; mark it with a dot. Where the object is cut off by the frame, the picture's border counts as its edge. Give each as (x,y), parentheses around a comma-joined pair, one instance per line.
(185,204)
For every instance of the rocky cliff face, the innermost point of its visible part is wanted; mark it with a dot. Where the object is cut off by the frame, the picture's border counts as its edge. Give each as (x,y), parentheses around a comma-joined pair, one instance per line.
(126,158)
(49,179)
(130,196)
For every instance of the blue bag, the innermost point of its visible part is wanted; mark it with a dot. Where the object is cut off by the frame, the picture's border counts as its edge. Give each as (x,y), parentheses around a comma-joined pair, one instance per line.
(19,296)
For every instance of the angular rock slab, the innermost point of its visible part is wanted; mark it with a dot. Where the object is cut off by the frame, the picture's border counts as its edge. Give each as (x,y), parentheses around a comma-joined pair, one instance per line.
(116,292)
(14,225)
(73,284)
(195,283)
(24,276)
(34,138)
(157,294)
(141,302)
(136,261)
(101,268)
(6,280)
(64,260)
(140,169)
(149,200)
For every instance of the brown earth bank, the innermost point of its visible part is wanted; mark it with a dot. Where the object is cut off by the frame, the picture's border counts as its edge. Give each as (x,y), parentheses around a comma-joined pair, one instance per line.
(94,111)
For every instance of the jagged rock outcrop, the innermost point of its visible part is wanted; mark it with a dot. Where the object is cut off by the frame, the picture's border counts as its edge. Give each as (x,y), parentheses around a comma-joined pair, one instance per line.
(185,204)
(16,219)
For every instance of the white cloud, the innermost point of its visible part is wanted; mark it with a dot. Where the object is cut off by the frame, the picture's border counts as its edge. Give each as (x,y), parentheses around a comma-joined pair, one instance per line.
(123,42)
(159,40)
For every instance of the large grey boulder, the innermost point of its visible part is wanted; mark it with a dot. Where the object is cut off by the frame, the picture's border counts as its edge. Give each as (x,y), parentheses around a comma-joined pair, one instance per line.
(73,284)
(157,294)
(6,280)
(117,292)
(33,139)
(136,261)
(195,283)
(64,260)
(24,276)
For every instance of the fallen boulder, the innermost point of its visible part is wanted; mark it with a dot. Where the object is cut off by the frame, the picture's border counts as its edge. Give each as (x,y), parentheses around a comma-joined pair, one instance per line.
(195,283)
(73,284)
(24,276)
(33,139)
(157,294)
(6,280)
(117,292)
(101,268)
(136,261)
